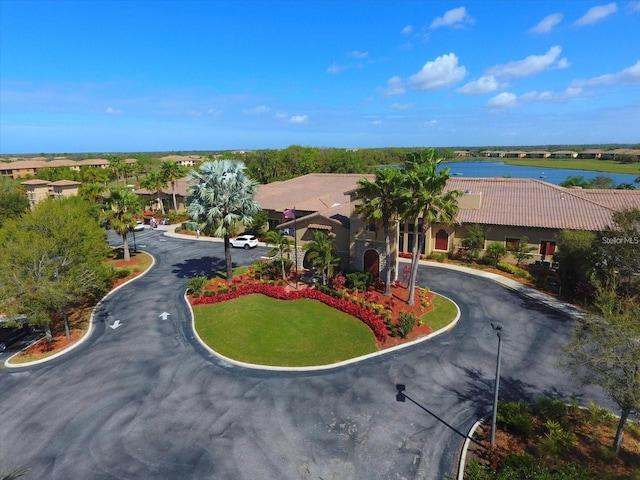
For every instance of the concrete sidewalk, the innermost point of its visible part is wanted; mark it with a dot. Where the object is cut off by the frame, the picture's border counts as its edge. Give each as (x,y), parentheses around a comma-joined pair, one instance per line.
(541,297)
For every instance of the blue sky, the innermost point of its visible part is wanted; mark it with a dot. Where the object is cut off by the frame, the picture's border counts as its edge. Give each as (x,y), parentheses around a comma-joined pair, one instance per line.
(125,76)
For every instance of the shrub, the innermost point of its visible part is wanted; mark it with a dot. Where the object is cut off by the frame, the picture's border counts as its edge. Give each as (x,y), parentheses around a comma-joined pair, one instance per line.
(556,441)
(338,282)
(196,285)
(406,322)
(437,256)
(552,409)
(359,280)
(495,253)
(515,417)
(122,273)
(517,271)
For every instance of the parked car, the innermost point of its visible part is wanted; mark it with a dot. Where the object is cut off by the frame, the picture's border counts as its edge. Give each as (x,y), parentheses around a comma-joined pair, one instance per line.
(10,335)
(139,226)
(244,241)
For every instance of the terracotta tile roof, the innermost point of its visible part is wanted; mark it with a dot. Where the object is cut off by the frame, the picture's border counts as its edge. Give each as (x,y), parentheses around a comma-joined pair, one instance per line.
(315,192)
(532,203)
(64,183)
(36,182)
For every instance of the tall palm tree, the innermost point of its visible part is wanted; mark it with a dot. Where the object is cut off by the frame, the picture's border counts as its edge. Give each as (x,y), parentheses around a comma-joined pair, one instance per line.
(220,195)
(92,192)
(320,252)
(425,202)
(116,165)
(122,205)
(155,182)
(171,172)
(282,246)
(380,205)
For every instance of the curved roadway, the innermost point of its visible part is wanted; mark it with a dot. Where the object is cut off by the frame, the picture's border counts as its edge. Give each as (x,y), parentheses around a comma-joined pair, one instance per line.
(144,400)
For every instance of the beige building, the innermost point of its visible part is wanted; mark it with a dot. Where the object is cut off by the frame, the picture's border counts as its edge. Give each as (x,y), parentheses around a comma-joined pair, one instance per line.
(38,190)
(507,208)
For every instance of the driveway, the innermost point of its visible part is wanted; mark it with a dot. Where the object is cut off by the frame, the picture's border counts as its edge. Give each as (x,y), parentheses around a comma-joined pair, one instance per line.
(143,400)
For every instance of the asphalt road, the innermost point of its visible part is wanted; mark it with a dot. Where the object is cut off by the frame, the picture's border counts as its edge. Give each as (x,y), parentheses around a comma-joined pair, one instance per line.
(144,401)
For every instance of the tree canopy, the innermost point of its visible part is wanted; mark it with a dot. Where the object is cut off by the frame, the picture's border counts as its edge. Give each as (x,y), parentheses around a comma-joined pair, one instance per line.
(52,258)
(220,196)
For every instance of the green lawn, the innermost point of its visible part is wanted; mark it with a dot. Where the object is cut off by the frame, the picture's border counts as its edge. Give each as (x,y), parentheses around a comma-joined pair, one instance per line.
(261,330)
(443,313)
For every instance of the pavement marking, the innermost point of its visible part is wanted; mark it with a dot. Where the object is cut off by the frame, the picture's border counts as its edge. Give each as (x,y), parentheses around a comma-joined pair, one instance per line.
(164,315)
(115,325)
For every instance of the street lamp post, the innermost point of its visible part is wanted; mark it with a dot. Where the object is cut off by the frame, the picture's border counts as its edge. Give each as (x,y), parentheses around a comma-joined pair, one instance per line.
(498,329)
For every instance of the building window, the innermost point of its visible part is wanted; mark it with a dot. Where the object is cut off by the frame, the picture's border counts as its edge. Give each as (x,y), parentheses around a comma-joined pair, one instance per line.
(511,244)
(442,240)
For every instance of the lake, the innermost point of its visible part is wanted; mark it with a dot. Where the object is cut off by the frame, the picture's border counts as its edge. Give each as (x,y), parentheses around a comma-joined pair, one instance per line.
(550,175)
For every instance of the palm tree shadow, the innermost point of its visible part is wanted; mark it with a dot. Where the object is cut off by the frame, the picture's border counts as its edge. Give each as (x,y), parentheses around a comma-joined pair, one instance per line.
(480,391)
(202,266)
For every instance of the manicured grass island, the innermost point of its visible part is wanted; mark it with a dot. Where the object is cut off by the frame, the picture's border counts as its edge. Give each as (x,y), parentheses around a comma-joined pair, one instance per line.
(604,166)
(266,331)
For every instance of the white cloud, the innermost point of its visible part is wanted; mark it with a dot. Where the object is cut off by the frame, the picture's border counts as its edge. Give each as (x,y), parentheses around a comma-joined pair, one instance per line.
(281,116)
(563,63)
(395,86)
(627,76)
(456,17)
(595,14)
(440,73)
(258,110)
(503,100)
(376,122)
(403,106)
(430,123)
(113,111)
(482,85)
(528,66)
(357,54)
(336,68)
(547,23)
(511,100)
(298,119)
(634,6)
(407,30)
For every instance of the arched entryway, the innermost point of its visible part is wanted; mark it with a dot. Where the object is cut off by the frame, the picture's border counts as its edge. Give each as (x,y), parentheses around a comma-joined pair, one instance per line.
(372,262)
(442,240)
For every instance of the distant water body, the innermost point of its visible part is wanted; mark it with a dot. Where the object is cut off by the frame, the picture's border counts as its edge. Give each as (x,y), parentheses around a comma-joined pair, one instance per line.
(549,175)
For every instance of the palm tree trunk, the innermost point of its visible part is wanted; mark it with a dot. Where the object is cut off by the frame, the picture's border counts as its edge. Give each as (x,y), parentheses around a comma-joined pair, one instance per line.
(160,202)
(173,192)
(227,257)
(418,243)
(387,256)
(125,248)
(617,440)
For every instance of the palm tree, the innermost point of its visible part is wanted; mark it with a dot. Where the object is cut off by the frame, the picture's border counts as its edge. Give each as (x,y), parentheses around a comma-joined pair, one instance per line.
(320,252)
(155,182)
(123,205)
(220,195)
(380,205)
(92,192)
(424,200)
(282,245)
(116,164)
(171,172)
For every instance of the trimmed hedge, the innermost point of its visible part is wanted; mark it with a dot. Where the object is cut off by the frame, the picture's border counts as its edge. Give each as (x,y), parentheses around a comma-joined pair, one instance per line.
(369,318)
(517,271)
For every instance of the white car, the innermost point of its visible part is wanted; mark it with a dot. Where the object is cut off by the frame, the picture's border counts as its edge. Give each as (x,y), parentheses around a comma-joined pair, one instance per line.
(139,226)
(244,241)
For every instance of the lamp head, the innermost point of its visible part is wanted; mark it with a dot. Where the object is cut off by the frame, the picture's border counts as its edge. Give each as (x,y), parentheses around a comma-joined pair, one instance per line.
(496,326)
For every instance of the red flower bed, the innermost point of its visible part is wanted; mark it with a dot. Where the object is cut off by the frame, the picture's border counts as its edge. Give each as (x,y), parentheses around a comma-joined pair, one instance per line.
(373,321)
